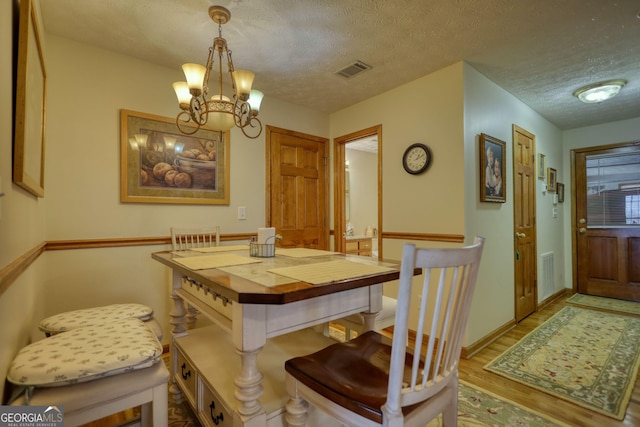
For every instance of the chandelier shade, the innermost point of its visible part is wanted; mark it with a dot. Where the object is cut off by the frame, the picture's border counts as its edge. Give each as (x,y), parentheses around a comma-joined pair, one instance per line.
(219,112)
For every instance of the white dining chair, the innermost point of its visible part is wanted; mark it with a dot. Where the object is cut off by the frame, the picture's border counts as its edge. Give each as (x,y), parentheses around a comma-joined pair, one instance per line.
(374,381)
(188,238)
(184,239)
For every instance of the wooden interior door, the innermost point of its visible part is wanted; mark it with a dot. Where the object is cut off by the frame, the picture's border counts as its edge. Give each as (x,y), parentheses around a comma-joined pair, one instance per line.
(524,215)
(607,221)
(297,203)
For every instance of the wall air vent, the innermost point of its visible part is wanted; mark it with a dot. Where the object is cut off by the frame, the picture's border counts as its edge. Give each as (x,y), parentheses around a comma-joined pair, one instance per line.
(353,69)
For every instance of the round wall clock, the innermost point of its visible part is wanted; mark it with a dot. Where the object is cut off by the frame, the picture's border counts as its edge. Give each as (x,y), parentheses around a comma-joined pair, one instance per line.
(416,159)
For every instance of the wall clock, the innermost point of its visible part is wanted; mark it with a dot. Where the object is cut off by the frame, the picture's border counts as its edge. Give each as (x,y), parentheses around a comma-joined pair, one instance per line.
(416,159)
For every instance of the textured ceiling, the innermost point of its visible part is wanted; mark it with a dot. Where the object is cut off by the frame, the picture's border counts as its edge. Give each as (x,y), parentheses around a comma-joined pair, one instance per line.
(538,50)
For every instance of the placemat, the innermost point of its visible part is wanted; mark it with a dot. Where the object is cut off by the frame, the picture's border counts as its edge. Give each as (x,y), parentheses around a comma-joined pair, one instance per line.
(303,252)
(214,261)
(331,271)
(222,248)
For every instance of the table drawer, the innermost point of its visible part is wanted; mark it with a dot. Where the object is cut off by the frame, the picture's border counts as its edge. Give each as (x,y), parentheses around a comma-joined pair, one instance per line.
(186,376)
(211,410)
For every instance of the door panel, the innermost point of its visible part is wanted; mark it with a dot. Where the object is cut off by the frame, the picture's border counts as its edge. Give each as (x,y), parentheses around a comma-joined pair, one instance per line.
(296,179)
(607,230)
(524,207)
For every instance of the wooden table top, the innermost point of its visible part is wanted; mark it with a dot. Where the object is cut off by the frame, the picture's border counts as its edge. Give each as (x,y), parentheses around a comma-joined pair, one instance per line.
(253,284)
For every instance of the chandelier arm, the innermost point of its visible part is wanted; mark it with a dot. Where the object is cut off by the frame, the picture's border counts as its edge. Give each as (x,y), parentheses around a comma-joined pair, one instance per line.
(220,70)
(234,89)
(198,109)
(242,114)
(244,118)
(208,67)
(183,124)
(254,122)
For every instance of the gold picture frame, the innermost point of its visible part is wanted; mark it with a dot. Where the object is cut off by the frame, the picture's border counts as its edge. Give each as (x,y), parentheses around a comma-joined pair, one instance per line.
(31,89)
(552,180)
(159,164)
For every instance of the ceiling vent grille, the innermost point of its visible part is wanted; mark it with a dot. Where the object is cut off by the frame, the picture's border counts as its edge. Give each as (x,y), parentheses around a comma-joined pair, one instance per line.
(353,69)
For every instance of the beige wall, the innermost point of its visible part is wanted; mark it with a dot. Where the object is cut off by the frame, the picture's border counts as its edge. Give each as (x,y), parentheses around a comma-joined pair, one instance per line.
(492,110)
(428,110)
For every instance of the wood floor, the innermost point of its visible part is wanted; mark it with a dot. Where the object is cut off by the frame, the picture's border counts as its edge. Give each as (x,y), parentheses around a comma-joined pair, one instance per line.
(472,372)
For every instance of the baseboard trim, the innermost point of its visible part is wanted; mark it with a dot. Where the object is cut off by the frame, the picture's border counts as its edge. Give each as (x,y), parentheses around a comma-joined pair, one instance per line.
(469,351)
(553,298)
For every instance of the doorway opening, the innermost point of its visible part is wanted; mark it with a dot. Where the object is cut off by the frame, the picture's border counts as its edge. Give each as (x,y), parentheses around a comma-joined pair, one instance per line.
(357,192)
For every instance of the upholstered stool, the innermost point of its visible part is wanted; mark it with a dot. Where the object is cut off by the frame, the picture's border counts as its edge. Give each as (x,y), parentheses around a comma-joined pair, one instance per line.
(69,320)
(94,371)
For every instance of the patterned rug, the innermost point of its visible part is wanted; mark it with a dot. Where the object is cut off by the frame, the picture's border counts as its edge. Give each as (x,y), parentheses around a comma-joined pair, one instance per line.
(606,304)
(476,407)
(587,357)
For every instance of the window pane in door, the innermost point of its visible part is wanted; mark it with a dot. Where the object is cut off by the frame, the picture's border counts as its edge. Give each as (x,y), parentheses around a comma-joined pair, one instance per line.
(613,190)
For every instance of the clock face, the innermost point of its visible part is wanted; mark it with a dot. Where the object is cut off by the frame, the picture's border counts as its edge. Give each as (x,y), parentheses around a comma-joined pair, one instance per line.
(416,159)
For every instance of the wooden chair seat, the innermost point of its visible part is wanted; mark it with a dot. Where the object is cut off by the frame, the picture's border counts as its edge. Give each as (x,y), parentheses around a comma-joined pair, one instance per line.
(354,374)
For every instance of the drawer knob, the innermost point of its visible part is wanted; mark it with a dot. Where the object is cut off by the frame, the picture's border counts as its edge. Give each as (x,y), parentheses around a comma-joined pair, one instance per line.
(188,374)
(217,419)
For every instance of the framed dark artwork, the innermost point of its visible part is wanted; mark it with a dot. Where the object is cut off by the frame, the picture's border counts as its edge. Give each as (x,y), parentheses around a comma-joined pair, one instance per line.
(493,155)
(31,102)
(541,166)
(560,192)
(158,164)
(551,180)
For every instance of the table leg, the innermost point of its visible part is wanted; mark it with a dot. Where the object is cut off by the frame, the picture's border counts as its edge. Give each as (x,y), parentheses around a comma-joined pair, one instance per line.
(249,384)
(369,321)
(249,336)
(177,320)
(375,306)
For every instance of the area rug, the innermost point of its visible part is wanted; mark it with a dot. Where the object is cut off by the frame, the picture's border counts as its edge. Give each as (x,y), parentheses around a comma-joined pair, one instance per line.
(587,357)
(607,304)
(476,407)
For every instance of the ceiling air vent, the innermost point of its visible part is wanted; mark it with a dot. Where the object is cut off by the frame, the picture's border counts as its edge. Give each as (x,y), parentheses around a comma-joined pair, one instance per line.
(353,69)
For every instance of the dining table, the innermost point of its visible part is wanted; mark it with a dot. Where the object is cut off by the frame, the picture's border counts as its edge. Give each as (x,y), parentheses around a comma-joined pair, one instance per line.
(254,314)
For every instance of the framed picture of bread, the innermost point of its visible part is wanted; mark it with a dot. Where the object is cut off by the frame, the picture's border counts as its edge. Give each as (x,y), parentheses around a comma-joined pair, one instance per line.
(159,164)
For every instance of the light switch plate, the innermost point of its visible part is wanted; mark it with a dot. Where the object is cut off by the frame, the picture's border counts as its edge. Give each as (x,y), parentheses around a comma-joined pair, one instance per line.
(242,213)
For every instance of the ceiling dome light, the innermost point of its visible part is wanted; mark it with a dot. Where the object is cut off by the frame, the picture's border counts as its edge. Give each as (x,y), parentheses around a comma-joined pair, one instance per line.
(599,92)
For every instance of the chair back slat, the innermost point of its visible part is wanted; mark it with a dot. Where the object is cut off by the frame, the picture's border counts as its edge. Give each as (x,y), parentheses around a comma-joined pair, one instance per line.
(447,285)
(189,238)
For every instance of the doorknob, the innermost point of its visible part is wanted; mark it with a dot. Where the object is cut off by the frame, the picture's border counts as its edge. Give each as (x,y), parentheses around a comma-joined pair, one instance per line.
(582,221)
(582,230)
(520,235)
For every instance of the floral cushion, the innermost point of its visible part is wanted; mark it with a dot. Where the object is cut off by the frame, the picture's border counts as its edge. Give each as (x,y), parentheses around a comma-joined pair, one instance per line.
(93,316)
(86,354)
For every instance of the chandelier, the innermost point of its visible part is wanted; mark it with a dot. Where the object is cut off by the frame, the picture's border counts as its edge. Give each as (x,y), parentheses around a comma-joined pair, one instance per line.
(218,112)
